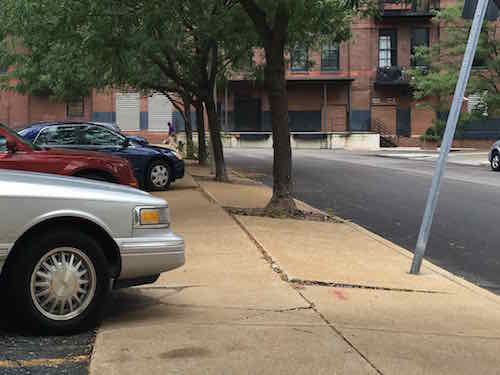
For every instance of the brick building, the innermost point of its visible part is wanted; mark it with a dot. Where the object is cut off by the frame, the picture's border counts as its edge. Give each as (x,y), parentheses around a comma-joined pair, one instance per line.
(360,85)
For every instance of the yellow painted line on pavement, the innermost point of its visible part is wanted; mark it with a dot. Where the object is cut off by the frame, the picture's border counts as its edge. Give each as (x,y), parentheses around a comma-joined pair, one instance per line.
(52,362)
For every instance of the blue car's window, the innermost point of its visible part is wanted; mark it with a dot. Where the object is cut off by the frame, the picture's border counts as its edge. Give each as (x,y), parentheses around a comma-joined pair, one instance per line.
(100,136)
(58,135)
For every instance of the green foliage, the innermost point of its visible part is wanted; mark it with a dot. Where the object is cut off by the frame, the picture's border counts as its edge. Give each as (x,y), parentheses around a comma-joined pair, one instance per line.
(435,84)
(68,47)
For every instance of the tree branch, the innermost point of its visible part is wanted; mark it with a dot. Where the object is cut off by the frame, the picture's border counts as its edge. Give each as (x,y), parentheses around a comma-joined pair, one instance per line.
(258,17)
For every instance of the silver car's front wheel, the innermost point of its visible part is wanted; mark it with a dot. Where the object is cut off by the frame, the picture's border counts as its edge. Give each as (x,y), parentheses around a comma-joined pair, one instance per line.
(63,283)
(59,279)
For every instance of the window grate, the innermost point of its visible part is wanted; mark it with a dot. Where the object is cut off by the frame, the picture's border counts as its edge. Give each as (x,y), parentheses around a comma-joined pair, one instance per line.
(387,48)
(299,59)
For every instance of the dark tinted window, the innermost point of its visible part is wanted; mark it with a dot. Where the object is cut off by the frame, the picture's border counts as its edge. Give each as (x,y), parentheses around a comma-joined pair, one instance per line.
(99,136)
(419,38)
(330,57)
(3,144)
(58,135)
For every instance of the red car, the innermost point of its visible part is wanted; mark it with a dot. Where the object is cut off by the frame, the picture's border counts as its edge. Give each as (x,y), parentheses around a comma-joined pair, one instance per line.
(17,153)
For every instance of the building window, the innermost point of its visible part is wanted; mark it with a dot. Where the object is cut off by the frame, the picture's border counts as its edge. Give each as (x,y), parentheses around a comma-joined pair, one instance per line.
(75,109)
(387,48)
(419,38)
(330,57)
(299,59)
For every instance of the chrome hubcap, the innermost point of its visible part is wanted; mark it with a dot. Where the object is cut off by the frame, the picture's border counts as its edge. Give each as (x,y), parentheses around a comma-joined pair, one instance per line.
(159,176)
(496,161)
(63,283)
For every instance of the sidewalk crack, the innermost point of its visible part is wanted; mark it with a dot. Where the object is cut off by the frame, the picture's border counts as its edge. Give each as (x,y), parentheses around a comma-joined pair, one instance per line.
(276,268)
(339,333)
(329,284)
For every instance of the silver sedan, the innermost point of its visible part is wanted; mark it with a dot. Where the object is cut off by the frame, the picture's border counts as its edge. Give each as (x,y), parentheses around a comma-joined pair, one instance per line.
(65,242)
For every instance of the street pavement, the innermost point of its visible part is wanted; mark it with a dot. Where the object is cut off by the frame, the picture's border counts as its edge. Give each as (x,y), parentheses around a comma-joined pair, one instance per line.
(24,353)
(387,196)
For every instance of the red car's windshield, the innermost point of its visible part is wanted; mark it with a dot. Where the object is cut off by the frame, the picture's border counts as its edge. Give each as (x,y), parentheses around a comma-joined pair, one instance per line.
(19,138)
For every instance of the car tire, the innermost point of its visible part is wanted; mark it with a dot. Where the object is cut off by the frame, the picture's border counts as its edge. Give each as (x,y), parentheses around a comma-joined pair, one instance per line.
(159,176)
(495,161)
(60,281)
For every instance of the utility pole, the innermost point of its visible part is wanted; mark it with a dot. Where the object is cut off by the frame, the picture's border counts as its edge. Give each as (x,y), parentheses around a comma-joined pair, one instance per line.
(451,126)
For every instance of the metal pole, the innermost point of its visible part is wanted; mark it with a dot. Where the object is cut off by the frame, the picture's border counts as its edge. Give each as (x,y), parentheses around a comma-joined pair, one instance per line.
(226,103)
(212,158)
(451,126)
(325,106)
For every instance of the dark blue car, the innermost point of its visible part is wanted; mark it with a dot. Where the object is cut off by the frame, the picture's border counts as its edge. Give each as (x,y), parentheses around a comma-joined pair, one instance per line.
(154,167)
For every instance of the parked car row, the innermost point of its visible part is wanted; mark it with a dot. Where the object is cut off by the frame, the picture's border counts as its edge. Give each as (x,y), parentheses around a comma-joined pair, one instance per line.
(66,242)
(155,168)
(19,154)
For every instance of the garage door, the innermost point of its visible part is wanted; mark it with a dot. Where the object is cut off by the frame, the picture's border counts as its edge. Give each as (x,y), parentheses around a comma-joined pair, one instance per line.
(128,111)
(336,118)
(160,113)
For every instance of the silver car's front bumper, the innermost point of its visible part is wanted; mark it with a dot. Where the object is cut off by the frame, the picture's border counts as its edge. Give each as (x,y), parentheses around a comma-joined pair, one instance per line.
(147,256)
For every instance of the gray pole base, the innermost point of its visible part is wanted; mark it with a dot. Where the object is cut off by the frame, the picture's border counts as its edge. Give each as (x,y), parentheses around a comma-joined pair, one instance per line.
(416,264)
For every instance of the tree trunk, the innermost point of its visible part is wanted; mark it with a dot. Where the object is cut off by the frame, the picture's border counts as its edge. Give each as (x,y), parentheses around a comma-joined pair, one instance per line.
(188,127)
(200,124)
(275,81)
(215,139)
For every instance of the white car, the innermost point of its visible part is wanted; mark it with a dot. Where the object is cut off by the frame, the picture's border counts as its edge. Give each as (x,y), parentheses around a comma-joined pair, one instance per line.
(66,242)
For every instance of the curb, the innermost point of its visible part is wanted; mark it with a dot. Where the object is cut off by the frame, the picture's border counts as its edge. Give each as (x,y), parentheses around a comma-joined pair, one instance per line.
(427,264)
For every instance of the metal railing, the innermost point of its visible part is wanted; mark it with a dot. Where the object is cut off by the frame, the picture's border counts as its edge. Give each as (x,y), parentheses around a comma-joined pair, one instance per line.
(390,7)
(392,75)
(387,137)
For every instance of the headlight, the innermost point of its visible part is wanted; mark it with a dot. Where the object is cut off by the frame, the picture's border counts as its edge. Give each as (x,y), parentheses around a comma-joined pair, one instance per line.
(151,217)
(177,154)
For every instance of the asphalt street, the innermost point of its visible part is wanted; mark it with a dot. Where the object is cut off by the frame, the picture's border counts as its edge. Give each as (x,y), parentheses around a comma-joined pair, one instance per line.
(24,353)
(387,196)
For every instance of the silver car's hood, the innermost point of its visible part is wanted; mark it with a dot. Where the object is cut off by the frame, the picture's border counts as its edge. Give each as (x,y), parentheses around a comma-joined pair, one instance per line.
(28,184)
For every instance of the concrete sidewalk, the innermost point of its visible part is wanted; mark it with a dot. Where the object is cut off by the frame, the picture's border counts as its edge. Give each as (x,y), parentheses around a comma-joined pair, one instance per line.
(465,157)
(267,296)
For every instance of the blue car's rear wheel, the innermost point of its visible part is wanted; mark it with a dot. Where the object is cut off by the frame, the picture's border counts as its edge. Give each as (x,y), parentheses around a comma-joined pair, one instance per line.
(159,176)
